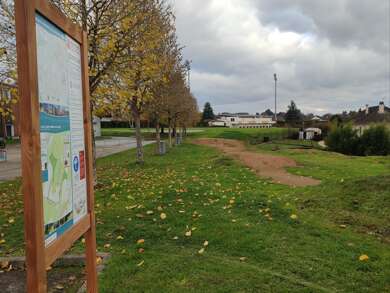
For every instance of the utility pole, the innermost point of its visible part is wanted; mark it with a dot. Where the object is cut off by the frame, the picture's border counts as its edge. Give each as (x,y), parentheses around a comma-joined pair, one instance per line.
(187,65)
(276,82)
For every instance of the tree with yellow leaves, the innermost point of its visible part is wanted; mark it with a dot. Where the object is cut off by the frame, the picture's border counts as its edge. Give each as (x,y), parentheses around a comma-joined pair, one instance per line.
(143,69)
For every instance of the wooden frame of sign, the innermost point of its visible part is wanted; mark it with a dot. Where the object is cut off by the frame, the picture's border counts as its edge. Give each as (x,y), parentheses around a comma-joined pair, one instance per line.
(39,254)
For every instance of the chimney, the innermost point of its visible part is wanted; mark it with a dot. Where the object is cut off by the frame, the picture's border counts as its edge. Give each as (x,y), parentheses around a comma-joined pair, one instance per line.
(381,108)
(367,109)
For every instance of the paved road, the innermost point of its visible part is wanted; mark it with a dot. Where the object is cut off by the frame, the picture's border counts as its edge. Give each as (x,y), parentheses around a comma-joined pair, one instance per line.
(11,168)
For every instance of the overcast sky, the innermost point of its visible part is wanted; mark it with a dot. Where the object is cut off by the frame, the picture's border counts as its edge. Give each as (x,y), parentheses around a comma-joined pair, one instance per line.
(330,55)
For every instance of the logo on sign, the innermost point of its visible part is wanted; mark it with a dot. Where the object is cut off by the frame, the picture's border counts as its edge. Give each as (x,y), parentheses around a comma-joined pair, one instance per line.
(76,163)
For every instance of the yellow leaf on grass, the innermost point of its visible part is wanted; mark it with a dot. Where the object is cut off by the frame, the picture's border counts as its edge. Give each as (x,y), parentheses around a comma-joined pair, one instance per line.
(364,257)
(141,241)
(294,217)
(188,233)
(206,243)
(163,216)
(119,237)
(201,251)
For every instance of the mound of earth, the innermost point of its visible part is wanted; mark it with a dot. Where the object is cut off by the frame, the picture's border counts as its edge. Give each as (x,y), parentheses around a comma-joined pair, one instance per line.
(268,166)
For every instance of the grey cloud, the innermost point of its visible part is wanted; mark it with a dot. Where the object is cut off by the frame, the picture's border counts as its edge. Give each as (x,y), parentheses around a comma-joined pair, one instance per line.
(236,46)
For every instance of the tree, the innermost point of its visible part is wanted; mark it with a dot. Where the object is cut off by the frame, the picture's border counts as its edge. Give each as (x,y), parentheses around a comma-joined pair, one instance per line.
(7,63)
(141,71)
(208,114)
(7,41)
(293,115)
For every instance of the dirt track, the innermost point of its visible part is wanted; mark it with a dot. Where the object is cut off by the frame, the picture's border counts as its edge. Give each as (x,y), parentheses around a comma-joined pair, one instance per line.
(264,165)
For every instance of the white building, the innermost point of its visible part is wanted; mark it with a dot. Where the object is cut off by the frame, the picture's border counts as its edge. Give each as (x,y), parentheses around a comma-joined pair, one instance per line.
(309,133)
(242,120)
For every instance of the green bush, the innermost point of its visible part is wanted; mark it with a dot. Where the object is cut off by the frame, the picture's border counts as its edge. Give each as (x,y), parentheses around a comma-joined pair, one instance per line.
(375,141)
(343,139)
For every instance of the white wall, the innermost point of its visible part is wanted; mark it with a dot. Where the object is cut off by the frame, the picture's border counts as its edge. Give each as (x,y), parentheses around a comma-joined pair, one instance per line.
(235,121)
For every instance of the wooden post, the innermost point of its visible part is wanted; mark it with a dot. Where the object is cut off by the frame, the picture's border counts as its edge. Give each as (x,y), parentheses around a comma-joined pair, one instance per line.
(90,236)
(30,149)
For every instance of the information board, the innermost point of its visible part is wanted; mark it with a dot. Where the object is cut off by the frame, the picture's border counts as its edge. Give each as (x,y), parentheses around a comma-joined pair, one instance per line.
(56,139)
(61,127)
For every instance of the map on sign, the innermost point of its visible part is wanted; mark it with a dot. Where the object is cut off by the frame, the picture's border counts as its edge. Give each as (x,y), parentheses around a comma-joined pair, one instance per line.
(62,129)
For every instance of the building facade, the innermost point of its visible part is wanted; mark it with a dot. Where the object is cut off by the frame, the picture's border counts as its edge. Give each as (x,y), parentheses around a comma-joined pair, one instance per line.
(242,120)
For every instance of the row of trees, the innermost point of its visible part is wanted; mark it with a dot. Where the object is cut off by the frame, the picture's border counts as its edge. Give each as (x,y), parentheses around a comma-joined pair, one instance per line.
(135,61)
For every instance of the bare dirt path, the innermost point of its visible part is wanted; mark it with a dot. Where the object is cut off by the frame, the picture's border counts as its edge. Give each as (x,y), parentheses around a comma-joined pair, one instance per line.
(264,165)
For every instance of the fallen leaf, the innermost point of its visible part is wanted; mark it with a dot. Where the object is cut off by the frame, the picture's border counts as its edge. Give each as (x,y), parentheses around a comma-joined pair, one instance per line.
(206,243)
(141,241)
(294,217)
(364,257)
(188,233)
(163,216)
(141,263)
(201,251)
(119,237)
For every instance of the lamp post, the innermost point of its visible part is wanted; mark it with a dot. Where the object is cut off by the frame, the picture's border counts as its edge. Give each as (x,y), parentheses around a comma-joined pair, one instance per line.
(187,65)
(276,82)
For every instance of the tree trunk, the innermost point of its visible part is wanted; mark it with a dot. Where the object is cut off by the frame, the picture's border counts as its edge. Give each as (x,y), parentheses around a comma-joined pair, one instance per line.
(138,136)
(158,138)
(95,180)
(174,131)
(140,151)
(170,133)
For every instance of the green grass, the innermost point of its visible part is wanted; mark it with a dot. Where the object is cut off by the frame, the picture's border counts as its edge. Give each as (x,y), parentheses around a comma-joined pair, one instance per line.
(148,132)
(197,187)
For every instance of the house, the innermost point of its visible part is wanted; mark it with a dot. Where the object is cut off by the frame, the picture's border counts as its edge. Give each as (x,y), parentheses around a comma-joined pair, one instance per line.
(268,114)
(375,114)
(9,126)
(310,133)
(242,120)
(317,119)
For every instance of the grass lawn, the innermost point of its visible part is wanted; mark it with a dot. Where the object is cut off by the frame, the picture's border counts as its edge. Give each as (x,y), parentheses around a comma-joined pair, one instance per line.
(175,203)
(148,132)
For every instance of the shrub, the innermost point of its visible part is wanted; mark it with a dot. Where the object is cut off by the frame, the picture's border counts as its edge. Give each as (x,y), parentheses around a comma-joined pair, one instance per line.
(375,141)
(343,140)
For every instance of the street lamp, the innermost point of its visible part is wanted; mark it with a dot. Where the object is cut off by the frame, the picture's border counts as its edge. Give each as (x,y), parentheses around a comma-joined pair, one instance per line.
(187,65)
(276,81)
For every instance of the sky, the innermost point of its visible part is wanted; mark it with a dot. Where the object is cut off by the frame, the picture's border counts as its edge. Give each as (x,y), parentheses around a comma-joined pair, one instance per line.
(329,55)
